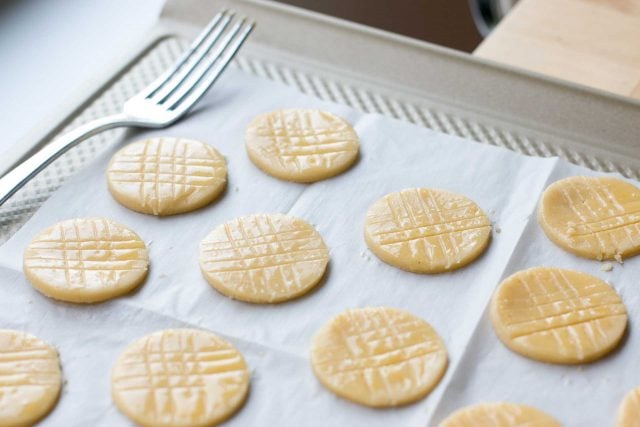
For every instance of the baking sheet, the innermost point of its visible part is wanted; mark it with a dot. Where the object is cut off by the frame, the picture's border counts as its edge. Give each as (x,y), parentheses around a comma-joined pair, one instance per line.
(584,395)
(275,339)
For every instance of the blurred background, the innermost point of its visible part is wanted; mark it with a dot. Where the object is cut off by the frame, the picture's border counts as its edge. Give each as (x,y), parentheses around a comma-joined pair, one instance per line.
(52,48)
(445,22)
(458,24)
(48,48)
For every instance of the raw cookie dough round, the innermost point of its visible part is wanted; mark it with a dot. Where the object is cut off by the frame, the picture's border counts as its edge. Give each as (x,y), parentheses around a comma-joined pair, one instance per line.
(179,377)
(425,230)
(629,411)
(558,316)
(378,356)
(86,260)
(499,414)
(592,217)
(265,258)
(30,379)
(166,176)
(301,145)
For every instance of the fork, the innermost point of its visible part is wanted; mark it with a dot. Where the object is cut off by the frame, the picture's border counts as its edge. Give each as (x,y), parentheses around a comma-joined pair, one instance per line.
(165,101)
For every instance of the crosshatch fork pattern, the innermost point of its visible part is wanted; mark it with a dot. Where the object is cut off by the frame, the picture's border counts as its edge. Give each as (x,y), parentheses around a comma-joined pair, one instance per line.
(379,350)
(26,361)
(177,374)
(553,305)
(603,224)
(296,139)
(433,226)
(163,172)
(30,378)
(266,257)
(21,207)
(85,253)
(571,315)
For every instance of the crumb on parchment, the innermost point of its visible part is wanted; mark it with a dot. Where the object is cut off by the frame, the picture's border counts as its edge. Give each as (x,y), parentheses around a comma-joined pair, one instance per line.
(607,266)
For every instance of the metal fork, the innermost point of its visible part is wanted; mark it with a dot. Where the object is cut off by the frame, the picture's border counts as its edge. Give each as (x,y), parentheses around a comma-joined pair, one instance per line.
(160,104)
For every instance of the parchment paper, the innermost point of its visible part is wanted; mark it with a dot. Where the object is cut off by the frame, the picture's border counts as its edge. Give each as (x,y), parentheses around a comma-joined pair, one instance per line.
(275,338)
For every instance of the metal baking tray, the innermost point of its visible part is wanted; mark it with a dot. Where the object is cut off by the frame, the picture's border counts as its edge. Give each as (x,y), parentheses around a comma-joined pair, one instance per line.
(368,69)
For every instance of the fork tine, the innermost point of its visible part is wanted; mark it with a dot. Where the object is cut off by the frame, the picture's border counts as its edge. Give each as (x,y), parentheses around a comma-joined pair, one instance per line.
(176,80)
(152,88)
(197,73)
(199,54)
(197,86)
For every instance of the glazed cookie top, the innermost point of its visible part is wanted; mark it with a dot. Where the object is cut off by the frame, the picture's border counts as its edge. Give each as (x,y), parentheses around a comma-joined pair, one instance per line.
(30,378)
(301,145)
(629,411)
(499,414)
(558,316)
(264,258)
(86,260)
(426,230)
(179,377)
(166,176)
(592,217)
(378,356)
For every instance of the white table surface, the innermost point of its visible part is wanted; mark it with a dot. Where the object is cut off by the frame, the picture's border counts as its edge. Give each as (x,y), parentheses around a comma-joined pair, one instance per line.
(49,48)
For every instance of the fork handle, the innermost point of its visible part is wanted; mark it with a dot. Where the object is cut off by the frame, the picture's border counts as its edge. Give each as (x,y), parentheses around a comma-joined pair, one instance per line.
(21,174)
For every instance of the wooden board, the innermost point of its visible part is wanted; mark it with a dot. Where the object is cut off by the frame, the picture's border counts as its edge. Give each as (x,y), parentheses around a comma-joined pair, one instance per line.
(592,42)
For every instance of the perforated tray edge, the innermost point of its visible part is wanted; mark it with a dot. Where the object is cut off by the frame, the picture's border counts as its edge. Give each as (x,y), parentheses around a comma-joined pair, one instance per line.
(274,53)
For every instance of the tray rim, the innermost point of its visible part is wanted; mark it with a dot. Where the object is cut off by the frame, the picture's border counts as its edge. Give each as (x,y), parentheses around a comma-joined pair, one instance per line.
(167,27)
(77,101)
(173,22)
